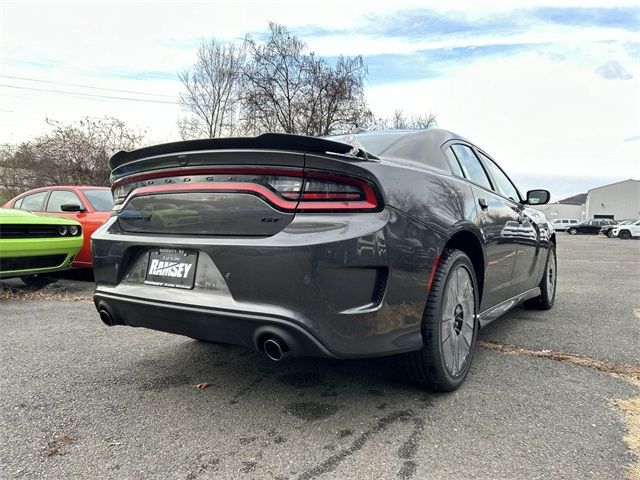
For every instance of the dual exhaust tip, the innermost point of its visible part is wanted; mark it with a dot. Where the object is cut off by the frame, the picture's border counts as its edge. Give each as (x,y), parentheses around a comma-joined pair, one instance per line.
(275,348)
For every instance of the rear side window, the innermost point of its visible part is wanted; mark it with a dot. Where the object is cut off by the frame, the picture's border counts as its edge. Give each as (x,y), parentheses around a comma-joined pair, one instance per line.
(471,166)
(61,197)
(453,163)
(503,184)
(33,201)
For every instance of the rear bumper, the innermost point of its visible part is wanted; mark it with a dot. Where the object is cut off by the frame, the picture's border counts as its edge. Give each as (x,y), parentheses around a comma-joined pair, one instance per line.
(341,286)
(237,328)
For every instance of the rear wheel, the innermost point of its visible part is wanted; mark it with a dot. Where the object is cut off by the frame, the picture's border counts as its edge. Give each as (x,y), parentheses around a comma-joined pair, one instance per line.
(624,234)
(548,283)
(449,326)
(572,231)
(610,234)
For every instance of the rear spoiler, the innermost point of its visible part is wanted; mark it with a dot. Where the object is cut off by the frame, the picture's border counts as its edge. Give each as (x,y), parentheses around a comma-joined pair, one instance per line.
(266,141)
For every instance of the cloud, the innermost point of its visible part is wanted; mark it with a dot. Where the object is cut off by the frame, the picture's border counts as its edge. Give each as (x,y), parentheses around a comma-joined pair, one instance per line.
(612,70)
(626,18)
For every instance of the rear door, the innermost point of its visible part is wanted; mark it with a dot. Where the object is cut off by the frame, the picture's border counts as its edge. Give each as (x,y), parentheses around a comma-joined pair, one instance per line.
(498,222)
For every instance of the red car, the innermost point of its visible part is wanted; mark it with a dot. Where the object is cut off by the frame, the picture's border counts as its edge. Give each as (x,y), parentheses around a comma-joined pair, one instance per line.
(91,206)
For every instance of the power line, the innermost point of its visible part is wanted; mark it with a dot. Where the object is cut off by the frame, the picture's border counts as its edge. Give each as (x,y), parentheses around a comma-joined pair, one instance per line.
(85,86)
(90,95)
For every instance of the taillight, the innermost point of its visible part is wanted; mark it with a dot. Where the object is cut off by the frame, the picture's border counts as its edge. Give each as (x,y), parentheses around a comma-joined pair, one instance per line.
(287,190)
(329,192)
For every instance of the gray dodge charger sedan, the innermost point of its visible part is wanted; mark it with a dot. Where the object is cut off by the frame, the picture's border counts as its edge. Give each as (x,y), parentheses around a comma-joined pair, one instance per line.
(387,243)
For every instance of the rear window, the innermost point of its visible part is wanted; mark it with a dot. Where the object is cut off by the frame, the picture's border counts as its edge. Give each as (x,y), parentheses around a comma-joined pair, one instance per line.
(100,200)
(375,143)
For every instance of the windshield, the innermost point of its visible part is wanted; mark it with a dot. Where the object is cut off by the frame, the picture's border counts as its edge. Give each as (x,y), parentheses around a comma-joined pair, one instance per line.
(100,200)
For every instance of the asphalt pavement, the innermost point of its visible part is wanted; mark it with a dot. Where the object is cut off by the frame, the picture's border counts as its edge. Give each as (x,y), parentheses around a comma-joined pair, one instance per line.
(81,400)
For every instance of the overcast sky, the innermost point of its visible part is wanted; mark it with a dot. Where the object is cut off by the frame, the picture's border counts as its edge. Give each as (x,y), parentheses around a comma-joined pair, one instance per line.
(550,88)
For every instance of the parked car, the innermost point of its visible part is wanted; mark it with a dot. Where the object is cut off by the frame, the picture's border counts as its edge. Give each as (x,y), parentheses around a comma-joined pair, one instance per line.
(607,229)
(628,231)
(562,224)
(91,206)
(33,245)
(592,226)
(259,262)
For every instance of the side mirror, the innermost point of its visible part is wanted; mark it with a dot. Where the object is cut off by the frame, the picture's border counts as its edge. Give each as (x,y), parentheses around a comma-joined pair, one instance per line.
(72,207)
(538,197)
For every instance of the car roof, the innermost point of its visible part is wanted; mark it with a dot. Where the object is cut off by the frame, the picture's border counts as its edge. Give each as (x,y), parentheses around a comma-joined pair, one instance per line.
(61,187)
(423,146)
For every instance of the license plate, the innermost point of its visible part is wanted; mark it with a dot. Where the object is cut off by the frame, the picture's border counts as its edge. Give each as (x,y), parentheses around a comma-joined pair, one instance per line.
(171,268)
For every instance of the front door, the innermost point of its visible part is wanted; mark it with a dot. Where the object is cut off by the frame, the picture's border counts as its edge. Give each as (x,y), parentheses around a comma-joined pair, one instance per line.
(498,223)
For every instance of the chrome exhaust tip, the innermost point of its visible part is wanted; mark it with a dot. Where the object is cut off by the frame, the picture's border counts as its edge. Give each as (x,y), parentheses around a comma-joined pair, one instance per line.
(275,349)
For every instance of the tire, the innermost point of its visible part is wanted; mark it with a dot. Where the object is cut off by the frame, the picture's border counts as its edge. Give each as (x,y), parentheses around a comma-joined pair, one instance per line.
(610,234)
(548,284)
(624,234)
(431,367)
(572,231)
(38,281)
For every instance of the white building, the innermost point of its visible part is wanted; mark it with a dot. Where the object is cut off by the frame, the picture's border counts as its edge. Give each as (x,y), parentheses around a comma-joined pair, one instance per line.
(570,208)
(620,200)
(561,210)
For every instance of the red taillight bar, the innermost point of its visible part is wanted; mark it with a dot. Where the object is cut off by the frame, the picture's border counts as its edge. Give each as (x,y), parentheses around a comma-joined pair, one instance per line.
(301,202)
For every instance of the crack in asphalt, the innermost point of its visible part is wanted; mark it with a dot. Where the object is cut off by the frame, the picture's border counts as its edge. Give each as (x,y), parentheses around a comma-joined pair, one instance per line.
(626,371)
(630,407)
(331,463)
(409,448)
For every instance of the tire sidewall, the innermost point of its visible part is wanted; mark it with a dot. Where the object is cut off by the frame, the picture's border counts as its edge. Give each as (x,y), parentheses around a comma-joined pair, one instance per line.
(550,300)
(459,259)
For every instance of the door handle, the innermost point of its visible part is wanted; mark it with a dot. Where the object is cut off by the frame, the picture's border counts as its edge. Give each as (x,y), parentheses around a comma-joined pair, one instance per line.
(483,203)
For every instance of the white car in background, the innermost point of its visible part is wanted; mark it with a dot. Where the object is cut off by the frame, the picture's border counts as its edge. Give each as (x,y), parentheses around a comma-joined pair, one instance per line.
(626,231)
(563,223)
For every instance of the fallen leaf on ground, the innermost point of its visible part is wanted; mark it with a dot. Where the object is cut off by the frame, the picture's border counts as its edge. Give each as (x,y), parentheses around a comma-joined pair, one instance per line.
(54,446)
(202,386)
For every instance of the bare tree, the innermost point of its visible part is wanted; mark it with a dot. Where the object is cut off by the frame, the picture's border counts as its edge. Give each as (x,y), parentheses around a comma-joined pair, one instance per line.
(277,85)
(337,96)
(289,90)
(211,91)
(402,121)
(74,154)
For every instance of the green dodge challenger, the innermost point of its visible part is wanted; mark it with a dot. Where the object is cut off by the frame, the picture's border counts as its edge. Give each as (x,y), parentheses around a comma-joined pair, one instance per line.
(31,245)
